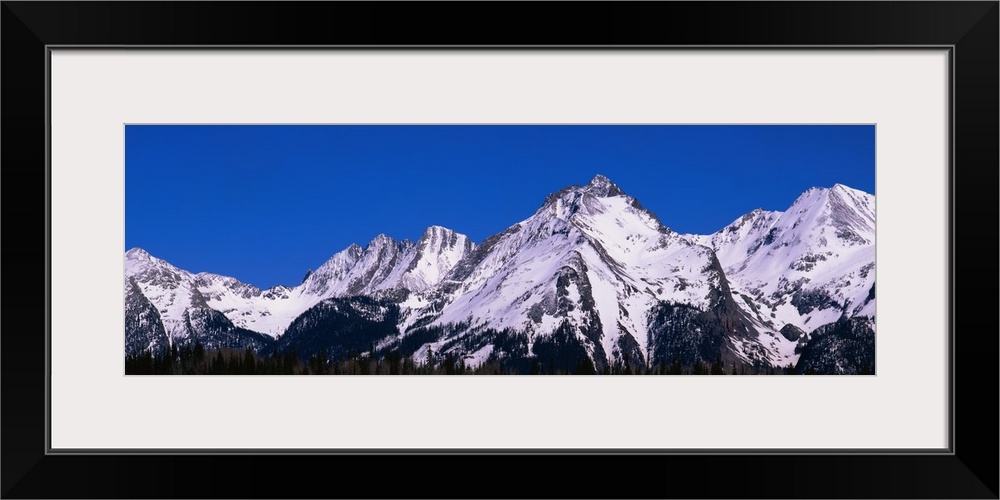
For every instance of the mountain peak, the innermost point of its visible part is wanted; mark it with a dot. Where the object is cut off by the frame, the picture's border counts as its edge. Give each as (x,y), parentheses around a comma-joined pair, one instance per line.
(831,194)
(842,187)
(438,237)
(602,187)
(381,239)
(435,230)
(599,180)
(856,193)
(137,253)
(836,188)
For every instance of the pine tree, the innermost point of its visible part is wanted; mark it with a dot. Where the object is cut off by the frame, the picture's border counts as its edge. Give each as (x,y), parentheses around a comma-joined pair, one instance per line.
(249,363)
(218,364)
(717,366)
(171,358)
(199,352)
(291,362)
(167,367)
(676,368)
(585,367)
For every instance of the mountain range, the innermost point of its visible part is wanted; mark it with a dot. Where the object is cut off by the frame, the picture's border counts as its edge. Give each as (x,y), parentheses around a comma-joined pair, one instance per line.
(592,280)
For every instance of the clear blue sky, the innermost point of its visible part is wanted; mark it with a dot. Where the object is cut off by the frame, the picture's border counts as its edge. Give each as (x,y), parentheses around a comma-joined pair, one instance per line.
(266,203)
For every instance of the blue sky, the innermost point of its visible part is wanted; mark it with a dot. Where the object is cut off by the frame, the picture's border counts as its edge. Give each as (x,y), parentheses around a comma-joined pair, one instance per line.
(266,203)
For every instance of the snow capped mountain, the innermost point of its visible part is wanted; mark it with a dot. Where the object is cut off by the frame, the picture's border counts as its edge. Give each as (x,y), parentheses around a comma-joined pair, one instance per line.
(183,310)
(170,289)
(807,266)
(386,265)
(591,280)
(382,268)
(590,259)
(437,253)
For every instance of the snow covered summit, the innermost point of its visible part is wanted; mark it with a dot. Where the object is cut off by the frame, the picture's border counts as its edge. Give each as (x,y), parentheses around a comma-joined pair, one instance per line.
(589,265)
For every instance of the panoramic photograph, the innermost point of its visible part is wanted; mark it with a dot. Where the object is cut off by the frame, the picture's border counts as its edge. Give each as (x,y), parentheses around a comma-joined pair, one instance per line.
(499,250)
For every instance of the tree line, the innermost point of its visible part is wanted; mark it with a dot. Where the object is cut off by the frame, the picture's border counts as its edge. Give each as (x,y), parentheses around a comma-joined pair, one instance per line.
(194,359)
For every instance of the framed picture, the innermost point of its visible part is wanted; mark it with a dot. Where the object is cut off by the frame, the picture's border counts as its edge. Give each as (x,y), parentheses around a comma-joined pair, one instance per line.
(228,147)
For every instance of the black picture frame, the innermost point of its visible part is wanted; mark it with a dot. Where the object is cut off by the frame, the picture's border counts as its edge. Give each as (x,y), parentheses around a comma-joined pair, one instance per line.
(970,29)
